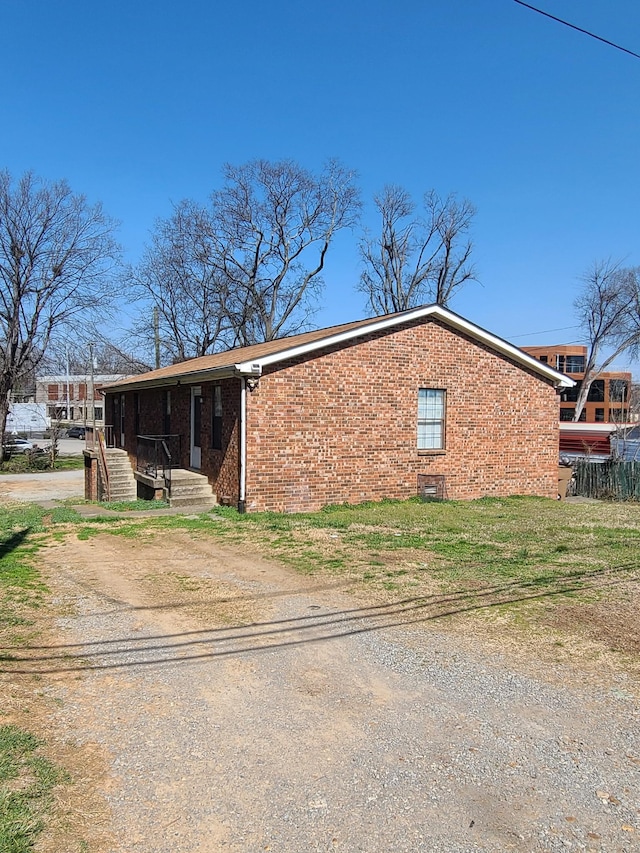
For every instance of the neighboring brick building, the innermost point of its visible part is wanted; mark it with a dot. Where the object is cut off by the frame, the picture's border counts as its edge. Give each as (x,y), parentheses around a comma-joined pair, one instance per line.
(608,400)
(74,398)
(418,401)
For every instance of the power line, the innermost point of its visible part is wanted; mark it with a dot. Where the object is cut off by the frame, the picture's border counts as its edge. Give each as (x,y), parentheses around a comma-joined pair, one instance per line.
(579,29)
(545,332)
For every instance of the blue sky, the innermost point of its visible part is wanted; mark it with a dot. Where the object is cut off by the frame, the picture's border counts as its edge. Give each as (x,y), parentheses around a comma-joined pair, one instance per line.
(139,104)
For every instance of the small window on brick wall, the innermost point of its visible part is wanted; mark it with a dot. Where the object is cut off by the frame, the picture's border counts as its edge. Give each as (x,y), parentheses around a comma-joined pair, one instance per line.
(431,412)
(216,418)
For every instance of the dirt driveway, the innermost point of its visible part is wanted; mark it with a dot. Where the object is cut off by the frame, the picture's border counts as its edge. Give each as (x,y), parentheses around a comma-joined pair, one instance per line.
(207,700)
(42,486)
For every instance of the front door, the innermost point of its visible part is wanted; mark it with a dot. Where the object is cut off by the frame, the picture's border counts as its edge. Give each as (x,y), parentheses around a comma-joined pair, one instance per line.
(196,426)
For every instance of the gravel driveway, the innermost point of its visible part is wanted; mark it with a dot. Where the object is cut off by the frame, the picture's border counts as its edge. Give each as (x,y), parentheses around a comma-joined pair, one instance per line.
(241,707)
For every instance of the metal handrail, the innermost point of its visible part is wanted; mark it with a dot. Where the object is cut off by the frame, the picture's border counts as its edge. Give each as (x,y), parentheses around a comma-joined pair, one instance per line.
(157,455)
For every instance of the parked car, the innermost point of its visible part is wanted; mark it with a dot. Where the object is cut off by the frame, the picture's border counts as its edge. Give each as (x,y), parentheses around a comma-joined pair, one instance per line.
(17,445)
(76,432)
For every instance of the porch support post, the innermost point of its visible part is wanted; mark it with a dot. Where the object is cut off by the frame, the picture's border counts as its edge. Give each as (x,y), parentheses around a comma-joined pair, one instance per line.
(242,502)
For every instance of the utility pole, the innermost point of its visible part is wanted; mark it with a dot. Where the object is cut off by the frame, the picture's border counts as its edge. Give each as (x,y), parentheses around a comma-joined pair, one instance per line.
(93,392)
(67,369)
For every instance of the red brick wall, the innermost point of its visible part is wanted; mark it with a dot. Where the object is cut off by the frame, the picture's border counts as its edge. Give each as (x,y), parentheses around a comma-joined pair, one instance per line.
(342,427)
(220,466)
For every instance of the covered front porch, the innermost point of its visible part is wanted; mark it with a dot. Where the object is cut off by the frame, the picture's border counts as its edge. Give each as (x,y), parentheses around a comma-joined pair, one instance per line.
(153,473)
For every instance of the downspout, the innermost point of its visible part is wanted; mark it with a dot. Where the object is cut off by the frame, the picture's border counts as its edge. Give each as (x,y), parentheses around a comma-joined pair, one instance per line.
(242,501)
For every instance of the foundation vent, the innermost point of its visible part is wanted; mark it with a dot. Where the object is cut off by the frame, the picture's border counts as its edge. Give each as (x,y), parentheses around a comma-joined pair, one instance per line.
(431,487)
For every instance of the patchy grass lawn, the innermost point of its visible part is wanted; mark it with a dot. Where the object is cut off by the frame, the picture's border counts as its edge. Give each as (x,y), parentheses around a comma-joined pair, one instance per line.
(551,580)
(27,776)
(23,463)
(27,780)
(523,564)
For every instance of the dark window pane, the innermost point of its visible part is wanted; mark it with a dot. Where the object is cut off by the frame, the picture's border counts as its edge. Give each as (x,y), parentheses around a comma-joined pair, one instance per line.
(618,390)
(566,414)
(599,414)
(574,364)
(617,416)
(216,418)
(166,413)
(596,392)
(570,395)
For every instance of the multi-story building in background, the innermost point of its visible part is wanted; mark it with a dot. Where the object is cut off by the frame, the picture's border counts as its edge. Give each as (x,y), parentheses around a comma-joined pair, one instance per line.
(610,392)
(74,399)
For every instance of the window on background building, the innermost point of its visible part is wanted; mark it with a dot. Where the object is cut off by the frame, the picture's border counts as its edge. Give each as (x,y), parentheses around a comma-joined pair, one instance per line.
(52,392)
(566,414)
(431,411)
(98,413)
(216,418)
(560,363)
(82,391)
(544,358)
(583,415)
(599,415)
(618,390)
(570,395)
(596,392)
(574,364)
(617,416)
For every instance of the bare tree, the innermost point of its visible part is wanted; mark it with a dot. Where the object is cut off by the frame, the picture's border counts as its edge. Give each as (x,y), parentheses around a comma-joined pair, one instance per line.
(273,225)
(609,313)
(75,355)
(246,268)
(416,259)
(180,277)
(57,256)
(634,400)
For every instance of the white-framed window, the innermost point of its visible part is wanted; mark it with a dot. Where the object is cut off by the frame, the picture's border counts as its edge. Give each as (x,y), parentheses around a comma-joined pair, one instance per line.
(431,412)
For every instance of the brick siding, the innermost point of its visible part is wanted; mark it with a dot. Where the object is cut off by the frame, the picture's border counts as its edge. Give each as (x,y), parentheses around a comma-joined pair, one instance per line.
(341,425)
(220,466)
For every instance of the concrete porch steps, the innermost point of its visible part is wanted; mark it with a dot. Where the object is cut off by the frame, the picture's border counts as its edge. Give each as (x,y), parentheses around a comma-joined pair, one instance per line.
(188,488)
(122,484)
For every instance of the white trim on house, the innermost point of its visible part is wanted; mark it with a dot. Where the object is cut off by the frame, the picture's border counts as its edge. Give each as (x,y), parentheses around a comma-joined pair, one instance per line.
(256,366)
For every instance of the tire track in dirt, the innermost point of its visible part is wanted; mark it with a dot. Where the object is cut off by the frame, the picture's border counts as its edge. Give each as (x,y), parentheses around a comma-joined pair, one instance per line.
(375,741)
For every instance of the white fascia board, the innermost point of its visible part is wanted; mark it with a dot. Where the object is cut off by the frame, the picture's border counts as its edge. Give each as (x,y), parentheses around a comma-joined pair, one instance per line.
(448,318)
(516,354)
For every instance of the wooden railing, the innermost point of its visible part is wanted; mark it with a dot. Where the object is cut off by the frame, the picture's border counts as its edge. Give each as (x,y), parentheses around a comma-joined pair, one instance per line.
(102,463)
(108,436)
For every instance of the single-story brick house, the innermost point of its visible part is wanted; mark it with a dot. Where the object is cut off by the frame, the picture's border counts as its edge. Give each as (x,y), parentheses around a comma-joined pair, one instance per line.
(422,400)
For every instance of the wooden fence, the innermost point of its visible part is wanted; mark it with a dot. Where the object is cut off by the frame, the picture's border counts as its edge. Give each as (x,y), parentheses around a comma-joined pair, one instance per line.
(617,480)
